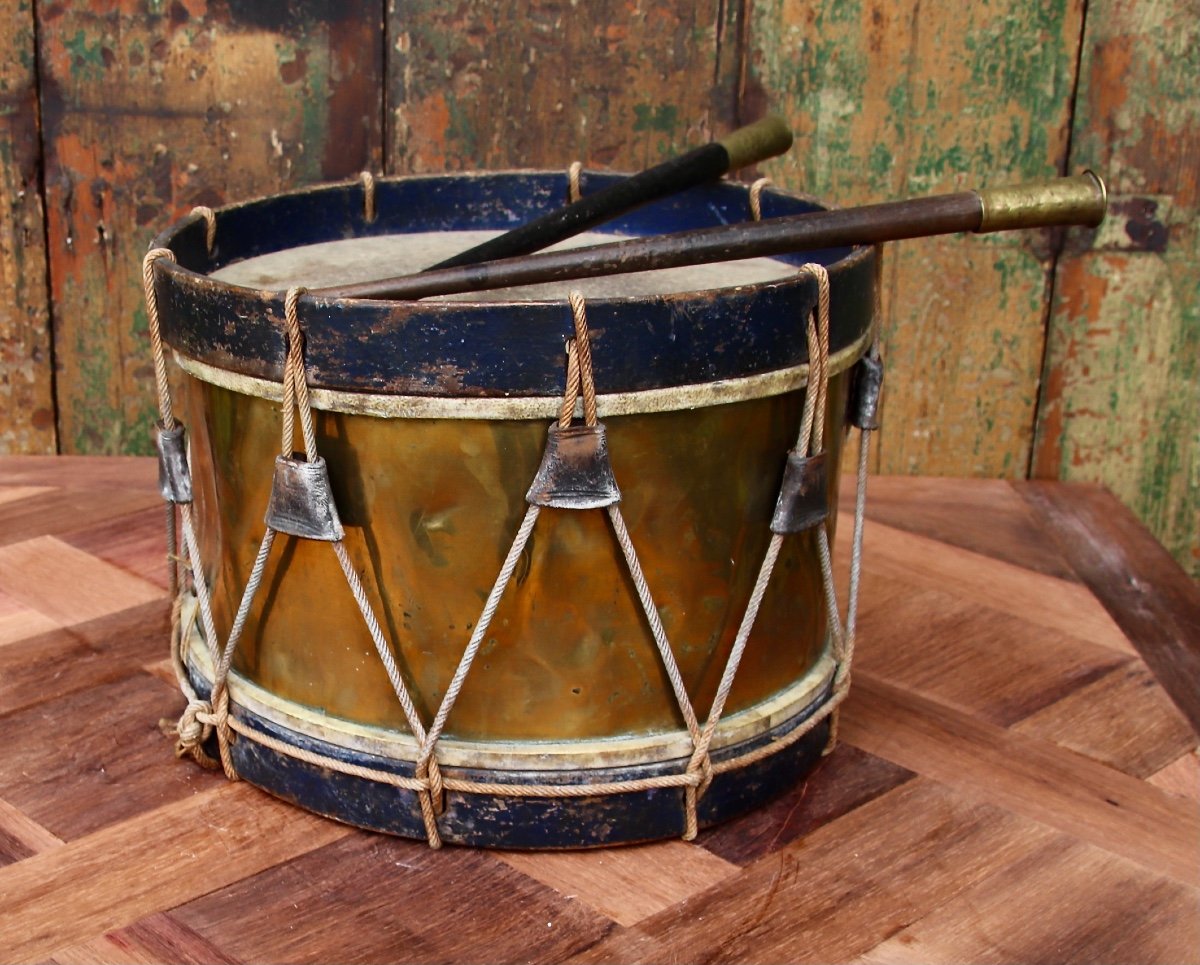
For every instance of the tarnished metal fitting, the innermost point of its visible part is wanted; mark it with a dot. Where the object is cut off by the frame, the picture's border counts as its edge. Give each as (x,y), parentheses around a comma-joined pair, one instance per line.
(576,472)
(174,476)
(803,496)
(866,386)
(301,501)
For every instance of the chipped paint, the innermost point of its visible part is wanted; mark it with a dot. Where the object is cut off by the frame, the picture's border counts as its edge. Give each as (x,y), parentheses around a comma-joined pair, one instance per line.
(890,98)
(146,115)
(26,379)
(1122,377)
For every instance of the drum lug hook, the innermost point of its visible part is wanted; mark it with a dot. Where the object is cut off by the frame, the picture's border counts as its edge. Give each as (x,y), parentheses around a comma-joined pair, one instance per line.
(576,471)
(174,475)
(301,500)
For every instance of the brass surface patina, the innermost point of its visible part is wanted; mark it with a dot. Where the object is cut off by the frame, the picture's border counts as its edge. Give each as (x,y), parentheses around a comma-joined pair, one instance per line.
(430,507)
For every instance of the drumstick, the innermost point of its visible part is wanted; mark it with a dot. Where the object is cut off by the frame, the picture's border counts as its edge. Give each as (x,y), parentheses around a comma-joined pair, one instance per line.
(745,146)
(1078,200)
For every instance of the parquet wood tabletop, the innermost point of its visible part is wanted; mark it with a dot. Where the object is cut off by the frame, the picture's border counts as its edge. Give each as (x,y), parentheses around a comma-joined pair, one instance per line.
(1017,779)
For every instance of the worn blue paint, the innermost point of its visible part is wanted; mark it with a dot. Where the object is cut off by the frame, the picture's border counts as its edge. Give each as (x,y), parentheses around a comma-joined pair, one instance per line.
(510,821)
(492,349)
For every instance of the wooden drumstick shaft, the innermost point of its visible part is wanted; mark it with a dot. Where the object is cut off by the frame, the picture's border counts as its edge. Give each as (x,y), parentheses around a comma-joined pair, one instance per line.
(745,146)
(1062,201)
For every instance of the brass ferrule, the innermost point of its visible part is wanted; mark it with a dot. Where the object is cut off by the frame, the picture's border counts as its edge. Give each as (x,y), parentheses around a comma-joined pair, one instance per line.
(1080,200)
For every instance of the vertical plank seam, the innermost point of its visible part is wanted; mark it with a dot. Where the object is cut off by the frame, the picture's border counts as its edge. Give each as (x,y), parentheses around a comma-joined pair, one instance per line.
(1056,254)
(745,8)
(385,108)
(40,178)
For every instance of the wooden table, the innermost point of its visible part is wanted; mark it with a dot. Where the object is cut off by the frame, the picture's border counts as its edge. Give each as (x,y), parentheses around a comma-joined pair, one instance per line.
(1017,779)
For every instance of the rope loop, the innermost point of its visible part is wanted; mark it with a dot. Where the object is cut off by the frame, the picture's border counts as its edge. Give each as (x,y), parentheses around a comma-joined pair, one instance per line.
(574,191)
(579,368)
(756,190)
(210,224)
(295,383)
(812,428)
(156,344)
(368,183)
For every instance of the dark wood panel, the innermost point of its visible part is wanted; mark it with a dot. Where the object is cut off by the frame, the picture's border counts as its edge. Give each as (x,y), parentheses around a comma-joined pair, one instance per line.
(26,358)
(100,775)
(374,899)
(841,890)
(845,780)
(1136,580)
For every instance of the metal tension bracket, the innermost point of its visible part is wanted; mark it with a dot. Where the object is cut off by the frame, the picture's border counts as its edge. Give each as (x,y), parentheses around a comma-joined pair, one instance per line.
(174,476)
(862,407)
(804,494)
(301,501)
(576,472)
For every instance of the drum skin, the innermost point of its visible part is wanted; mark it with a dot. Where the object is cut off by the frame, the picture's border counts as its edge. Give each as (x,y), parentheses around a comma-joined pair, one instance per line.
(431,503)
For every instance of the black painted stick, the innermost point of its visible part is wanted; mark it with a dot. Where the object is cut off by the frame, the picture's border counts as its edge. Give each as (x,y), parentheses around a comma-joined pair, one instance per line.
(1061,201)
(745,146)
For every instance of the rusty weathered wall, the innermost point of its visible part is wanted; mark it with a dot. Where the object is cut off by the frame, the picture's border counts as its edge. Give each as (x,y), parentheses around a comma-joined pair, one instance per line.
(1008,356)
(522,83)
(149,108)
(1121,398)
(27,421)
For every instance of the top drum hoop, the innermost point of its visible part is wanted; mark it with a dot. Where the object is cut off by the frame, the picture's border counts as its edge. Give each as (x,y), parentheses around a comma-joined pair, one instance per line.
(702,392)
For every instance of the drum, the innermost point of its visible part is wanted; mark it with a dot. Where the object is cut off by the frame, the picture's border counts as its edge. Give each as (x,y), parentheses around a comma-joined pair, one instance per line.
(432,420)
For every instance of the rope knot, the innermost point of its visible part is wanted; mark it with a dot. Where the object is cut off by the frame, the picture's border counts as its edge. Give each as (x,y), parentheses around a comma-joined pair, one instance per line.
(430,774)
(194,727)
(700,773)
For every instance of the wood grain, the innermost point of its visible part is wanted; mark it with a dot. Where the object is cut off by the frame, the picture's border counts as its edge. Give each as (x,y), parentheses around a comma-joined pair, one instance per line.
(21,836)
(1121,403)
(19,622)
(943,509)
(844,781)
(1002,790)
(889,99)
(491,85)
(1063,607)
(1181,776)
(68,895)
(1046,783)
(57,511)
(841,890)
(155,939)
(99,776)
(66,584)
(1134,579)
(990,664)
(148,111)
(377,899)
(626,884)
(45,665)
(26,359)
(1153,920)
(1123,719)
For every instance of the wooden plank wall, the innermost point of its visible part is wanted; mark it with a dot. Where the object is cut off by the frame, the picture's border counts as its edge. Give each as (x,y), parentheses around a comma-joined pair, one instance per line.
(27,421)
(1009,357)
(1121,397)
